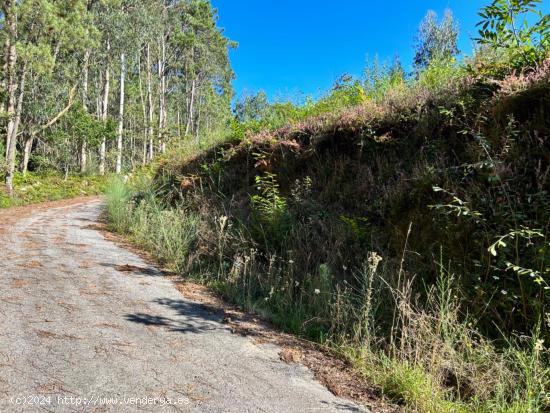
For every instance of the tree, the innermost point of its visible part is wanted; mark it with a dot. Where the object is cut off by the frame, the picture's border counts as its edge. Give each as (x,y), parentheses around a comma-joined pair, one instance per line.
(251,107)
(166,61)
(436,40)
(500,28)
(11,80)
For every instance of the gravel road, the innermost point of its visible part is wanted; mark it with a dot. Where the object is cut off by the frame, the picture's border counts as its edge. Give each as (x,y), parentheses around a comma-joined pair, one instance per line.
(78,334)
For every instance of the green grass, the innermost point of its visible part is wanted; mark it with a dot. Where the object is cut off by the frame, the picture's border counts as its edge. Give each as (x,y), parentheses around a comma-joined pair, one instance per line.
(168,233)
(34,188)
(435,360)
(425,311)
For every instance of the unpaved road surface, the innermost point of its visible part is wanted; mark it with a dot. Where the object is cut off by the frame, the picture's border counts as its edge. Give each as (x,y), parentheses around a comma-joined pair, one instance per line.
(79,334)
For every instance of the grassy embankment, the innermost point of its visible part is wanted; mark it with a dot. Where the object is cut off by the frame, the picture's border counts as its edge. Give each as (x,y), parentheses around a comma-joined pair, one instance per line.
(410,233)
(34,188)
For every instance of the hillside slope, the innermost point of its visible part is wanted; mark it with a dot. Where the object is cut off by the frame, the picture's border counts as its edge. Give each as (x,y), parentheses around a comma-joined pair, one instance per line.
(404,231)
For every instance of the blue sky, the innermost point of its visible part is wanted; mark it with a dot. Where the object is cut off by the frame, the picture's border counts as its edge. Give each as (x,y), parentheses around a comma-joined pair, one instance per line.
(293,48)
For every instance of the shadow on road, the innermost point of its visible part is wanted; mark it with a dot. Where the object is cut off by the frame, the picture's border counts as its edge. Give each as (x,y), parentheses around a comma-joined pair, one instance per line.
(149,271)
(188,317)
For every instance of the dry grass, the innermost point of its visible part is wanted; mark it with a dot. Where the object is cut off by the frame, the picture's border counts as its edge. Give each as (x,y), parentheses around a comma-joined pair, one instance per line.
(342,185)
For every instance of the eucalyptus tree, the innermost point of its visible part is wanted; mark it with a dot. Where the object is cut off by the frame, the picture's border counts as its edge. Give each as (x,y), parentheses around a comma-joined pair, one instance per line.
(36,33)
(205,64)
(87,82)
(436,39)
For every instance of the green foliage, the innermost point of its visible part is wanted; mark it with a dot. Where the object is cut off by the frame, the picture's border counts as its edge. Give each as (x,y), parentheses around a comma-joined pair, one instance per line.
(440,73)
(380,78)
(517,26)
(436,40)
(251,108)
(76,127)
(117,196)
(269,208)
(33,188)
(254,113)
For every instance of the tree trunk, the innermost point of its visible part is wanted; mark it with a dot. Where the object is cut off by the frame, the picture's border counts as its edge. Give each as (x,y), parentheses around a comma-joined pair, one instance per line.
(27,154)
(143,108)
(190,110)
(11,58)
(118,168)
(198,123)
(105,112)
(19,107)
(162,95)
(150,153)
(84,143)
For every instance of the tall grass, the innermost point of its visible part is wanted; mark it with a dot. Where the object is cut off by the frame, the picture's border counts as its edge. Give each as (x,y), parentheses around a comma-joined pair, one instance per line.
(434,360)
(282,224)
(425,354)
(166,232)
(117,196)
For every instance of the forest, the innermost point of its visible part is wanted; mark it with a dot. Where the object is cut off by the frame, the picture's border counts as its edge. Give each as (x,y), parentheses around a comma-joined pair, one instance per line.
(94,87)
(401,219)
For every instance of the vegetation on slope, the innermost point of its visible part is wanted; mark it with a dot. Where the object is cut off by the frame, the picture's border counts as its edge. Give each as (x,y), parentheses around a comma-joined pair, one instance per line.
(408,227)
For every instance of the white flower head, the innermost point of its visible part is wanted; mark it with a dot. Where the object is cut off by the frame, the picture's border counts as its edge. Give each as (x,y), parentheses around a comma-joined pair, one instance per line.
(317,291)
(223,222)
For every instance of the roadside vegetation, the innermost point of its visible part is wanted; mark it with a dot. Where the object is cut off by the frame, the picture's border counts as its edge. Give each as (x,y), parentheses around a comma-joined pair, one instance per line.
(401,219)
(34,188)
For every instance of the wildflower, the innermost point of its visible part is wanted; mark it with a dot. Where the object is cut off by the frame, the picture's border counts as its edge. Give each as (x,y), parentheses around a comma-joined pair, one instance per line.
(223,222)
(539,345)
(504,292)
(373,260)
(317,291)
(291,262)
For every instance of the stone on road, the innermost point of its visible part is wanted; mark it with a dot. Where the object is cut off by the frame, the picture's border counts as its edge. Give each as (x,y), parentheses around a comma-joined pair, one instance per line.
(80,335)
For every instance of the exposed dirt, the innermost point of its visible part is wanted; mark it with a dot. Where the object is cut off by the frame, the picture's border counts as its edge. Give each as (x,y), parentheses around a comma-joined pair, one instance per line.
(86,318)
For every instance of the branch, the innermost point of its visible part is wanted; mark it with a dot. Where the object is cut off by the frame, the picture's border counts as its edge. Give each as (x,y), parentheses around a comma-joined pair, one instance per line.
(53,120)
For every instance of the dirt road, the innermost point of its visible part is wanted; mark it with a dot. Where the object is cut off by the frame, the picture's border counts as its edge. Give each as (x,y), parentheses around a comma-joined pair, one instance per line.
(80,333)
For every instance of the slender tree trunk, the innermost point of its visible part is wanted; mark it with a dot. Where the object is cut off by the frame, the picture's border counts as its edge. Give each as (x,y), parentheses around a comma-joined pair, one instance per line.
(162,94)
(190,110)
(84,143)
(98,102)
(11,75)
(178,123)
(144,110)
(105,112)
(197,125)
(19,107)
(27,153)
(121,114)
(150,154)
